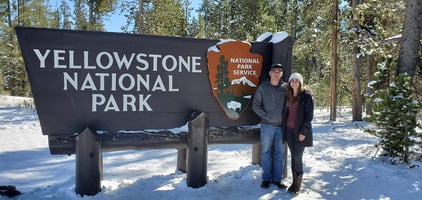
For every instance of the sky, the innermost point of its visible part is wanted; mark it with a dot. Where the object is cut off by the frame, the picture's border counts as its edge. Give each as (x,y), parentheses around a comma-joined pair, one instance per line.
(343,164)
(117,20)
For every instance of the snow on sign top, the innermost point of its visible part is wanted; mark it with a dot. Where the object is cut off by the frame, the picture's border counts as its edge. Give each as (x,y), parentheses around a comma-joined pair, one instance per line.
(264,37)
(279,36)
(215,48)
(273,38)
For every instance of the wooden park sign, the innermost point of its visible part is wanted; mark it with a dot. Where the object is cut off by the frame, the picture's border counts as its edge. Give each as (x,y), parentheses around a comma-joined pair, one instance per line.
(97,92)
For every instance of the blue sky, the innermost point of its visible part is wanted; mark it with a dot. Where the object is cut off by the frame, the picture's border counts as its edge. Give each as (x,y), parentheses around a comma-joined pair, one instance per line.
(117,20)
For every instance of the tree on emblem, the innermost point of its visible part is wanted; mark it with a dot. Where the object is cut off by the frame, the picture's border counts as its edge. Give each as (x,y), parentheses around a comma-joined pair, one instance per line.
(222,79)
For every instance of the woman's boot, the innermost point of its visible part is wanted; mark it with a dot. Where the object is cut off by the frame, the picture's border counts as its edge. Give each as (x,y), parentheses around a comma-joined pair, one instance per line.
(298,183)
(293,185)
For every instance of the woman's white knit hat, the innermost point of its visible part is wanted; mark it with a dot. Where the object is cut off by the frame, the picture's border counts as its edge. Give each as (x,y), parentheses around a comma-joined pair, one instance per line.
(296,76)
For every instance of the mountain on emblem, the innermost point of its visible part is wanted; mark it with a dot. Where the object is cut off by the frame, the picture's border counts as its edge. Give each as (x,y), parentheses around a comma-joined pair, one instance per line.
(234,75)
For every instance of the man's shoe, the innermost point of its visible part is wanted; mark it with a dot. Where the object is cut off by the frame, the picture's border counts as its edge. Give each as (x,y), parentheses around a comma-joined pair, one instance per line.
(265,184)
(280,185)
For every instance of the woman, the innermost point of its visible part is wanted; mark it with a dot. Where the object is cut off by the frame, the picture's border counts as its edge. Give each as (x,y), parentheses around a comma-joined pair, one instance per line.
(299,112)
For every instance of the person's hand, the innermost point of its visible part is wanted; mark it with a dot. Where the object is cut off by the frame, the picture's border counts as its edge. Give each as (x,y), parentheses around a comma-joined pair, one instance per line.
(301,137)
(310,92)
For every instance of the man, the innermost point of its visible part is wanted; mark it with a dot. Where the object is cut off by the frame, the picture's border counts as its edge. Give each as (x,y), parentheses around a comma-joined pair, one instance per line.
(268,103)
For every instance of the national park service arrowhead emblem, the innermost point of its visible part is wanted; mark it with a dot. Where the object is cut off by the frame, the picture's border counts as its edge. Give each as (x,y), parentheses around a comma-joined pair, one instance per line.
(234,75)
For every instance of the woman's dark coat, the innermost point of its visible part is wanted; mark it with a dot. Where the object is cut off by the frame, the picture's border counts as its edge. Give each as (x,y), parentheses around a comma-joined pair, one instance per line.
(304,116)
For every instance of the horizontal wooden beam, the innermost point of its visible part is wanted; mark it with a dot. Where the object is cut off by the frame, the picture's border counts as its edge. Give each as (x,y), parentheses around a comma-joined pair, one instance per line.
(65,144)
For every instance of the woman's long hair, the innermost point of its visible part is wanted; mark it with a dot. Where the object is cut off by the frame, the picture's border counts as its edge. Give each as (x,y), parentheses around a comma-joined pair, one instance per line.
(290,92)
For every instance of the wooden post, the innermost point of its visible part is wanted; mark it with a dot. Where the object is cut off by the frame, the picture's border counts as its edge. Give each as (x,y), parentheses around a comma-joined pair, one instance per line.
(88,163)
(285,161)
(181,159)
(256,157)
(256,154)
(197,151)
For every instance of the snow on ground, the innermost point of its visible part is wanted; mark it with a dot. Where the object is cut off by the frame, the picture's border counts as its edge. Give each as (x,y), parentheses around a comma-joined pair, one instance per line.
(341,165)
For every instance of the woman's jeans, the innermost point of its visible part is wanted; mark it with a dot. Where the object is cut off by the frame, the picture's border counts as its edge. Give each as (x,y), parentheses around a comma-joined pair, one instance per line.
(272,135)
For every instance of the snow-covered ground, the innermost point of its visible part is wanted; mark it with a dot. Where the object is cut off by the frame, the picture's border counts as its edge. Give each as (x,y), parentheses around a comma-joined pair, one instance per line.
(341,165)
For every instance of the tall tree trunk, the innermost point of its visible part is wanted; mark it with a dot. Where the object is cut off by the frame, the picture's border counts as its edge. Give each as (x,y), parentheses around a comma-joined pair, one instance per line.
(318,67)
(308,64)
(369,77)
(333,76)
(293,19)
(356,84)
(409,47)
(9,14)
(356,88)
(21,4)
(91,15)
(206,19)
(141,17)
(79,15)
(410,42)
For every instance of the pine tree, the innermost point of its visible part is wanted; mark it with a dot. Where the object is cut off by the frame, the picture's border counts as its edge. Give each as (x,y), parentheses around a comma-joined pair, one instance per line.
(395,111)
(221,77)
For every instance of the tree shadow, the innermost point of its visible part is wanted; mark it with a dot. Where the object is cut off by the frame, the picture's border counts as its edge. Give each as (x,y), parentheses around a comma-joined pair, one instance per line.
(344,168)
